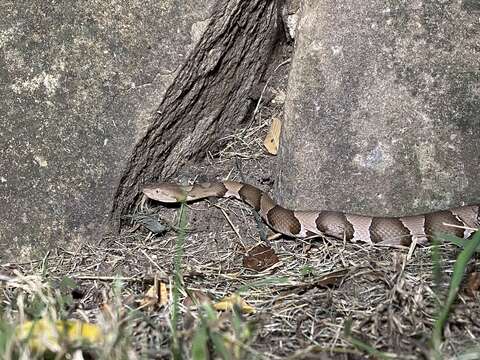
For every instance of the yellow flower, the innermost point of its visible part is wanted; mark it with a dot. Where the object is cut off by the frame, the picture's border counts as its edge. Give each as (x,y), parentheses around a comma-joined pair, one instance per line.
(228,302)
(45,334)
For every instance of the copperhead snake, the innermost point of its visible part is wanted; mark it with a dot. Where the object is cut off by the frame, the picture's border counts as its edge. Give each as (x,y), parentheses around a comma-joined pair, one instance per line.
(461,221)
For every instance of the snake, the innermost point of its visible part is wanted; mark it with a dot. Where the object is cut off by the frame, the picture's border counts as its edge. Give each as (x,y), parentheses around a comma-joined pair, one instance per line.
(403,230)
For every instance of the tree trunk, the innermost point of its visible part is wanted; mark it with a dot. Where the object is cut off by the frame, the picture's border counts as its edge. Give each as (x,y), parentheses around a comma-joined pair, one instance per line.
(209,97)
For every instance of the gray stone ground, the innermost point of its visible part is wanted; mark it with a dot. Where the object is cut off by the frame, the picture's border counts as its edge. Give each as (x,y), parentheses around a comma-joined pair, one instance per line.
(78,84)
(383,107)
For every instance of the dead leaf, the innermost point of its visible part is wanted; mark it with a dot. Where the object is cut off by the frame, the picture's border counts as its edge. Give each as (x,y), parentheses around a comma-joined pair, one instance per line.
(157,294)
(272,140)
(259,258)
(228,302)
(473,284)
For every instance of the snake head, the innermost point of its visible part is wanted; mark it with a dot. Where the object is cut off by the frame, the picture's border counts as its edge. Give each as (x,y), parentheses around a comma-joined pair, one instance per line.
(165,192)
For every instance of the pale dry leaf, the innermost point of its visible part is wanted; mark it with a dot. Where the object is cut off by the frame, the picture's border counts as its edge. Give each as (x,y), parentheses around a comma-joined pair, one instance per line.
(272,140)
(157,294)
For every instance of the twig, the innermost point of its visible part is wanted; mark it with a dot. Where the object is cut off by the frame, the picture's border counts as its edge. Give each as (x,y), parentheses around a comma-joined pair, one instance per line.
(231,225)
(460,227)
(151,261)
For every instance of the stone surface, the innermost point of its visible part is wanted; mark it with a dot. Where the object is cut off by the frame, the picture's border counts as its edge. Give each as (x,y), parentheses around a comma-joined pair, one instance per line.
(79,82)
(383,107)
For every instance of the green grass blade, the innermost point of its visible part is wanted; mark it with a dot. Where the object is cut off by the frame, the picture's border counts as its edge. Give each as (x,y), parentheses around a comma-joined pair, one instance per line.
(200,343)
(436,263)
(458,272)
(177,281)
(471,354)
(6,334)
(449,238)
(219,345)
(210,316)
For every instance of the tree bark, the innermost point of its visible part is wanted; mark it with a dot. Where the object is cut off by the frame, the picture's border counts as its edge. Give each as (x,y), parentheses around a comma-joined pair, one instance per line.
(209,97)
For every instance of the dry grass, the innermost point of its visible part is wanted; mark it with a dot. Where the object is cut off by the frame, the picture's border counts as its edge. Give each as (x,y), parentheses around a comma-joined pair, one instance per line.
(304,303)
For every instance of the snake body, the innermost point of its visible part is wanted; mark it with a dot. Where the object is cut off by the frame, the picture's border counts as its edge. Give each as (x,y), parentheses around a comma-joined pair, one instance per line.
(461,221)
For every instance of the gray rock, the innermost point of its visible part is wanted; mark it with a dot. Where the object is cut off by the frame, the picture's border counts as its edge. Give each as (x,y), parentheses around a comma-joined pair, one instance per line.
(383,107)
(81,82)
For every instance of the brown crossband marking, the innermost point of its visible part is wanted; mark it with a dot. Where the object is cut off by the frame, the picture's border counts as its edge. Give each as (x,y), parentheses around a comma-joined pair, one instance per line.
(251,195)
(283,220)
(434,224)
(461,221)
(383,229)
(333,223)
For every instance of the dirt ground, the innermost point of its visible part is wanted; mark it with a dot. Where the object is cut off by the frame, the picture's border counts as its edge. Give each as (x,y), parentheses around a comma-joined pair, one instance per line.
(304,303)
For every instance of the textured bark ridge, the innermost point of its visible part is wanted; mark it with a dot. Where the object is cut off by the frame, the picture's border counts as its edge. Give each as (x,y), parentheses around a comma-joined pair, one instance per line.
(208,98)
